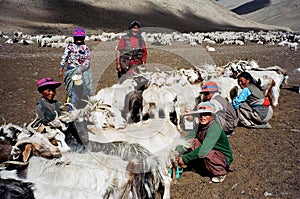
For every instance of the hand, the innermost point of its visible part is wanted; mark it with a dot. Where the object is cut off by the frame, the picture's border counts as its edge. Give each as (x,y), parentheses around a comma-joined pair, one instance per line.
(181,163)
(118,67)
(190,118)
(60,73)
(176,153)
(79,72)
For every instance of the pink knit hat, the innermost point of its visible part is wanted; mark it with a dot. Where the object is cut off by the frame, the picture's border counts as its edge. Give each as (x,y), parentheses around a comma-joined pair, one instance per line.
(79,32)
(46,82)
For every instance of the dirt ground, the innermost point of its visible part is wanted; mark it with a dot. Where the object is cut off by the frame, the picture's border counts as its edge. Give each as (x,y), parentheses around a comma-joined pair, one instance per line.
(266,161)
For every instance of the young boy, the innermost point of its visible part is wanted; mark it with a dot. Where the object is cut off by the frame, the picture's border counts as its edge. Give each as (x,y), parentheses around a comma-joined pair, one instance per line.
(47,107)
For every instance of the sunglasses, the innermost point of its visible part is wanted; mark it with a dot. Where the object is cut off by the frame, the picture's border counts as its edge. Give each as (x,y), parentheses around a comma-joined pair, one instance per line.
(205,114)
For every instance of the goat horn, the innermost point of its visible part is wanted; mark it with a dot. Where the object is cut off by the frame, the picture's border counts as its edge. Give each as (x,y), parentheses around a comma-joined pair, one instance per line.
(23,141)
(70,104)
(29,126)
(4,120)
(3,164)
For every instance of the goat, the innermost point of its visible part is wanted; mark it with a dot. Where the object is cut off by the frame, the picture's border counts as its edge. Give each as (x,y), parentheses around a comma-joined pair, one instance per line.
(88,175)
(133,106)
(157,166)
(275,88)
(16,189)
(293,46)
(143,134)
(30,143)
(159,101)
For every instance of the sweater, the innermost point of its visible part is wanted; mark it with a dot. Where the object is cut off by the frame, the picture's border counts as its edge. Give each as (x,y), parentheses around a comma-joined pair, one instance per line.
(215,139)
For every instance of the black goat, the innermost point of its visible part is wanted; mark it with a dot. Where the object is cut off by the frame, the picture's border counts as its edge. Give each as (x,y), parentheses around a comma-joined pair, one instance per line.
(15,189)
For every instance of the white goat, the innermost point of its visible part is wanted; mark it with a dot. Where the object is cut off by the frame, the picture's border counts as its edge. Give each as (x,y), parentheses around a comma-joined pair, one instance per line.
(91,175)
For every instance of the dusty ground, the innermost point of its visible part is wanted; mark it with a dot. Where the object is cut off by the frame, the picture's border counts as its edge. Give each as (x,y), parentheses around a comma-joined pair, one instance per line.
(266,162)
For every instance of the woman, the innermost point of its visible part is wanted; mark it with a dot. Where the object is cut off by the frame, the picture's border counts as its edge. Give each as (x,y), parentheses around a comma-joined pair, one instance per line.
(77,60)
(131,51)
(253,109)
(47,108)
(210,146)
(225,113)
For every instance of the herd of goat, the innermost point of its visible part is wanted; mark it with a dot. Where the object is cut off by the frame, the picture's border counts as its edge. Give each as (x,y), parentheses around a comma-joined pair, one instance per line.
(280,38)
(122,143)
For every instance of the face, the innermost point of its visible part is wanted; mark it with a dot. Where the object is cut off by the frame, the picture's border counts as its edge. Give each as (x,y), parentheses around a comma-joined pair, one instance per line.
(135,30)
(78,40)
(243,82)
(49,94)
(207,96)
(204,118)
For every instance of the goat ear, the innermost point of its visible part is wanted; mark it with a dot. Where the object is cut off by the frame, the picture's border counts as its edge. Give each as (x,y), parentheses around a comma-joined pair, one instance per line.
(27,152)
(259,81)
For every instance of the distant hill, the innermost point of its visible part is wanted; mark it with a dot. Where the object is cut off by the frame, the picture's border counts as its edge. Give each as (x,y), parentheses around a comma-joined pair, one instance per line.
(61,16)
(272,12)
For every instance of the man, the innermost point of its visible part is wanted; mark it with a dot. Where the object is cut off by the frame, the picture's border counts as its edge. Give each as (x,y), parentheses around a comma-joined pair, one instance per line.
(131,51)
(209,147)
(225,113)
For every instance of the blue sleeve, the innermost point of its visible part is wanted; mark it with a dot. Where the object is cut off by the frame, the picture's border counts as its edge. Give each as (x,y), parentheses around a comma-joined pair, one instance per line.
(241,98)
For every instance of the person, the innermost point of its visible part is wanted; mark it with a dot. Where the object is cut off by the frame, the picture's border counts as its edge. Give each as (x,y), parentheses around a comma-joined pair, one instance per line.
(225,113)
(47,107)
(131,51)
(210,149)
(77,60)
(253,109)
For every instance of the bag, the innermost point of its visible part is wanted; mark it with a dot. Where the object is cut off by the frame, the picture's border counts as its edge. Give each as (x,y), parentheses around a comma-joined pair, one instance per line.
(266,102)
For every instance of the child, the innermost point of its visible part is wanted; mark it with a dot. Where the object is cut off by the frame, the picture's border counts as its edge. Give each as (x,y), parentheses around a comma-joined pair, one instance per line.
(47,107)
(77,60)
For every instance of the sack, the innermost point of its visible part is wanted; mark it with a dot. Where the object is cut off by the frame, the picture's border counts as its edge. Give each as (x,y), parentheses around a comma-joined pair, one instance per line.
(266,102)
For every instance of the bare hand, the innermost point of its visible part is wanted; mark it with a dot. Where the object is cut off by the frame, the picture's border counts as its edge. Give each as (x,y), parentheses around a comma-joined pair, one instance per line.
(60,74)
(181,163)
(118,67)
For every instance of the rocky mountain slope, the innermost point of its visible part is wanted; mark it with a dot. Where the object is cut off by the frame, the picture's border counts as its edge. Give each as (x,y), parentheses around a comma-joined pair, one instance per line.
(273,12)
(57,16)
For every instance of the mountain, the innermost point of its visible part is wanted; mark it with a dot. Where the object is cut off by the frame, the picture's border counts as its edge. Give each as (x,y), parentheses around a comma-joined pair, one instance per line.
(272,12)
(61,16)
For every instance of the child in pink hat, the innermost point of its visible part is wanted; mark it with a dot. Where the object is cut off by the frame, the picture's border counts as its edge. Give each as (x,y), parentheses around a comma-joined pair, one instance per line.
(76,60)
(47,108)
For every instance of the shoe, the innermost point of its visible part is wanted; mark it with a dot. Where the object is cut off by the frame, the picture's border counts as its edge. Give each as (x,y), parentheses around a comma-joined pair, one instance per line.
(218,179)
(261,126)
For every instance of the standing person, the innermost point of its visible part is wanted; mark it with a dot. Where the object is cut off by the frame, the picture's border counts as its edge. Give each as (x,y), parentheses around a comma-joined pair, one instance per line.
(210,150)
(225,113)
(131,51)
(47,108)
(253,108)
(77,60)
